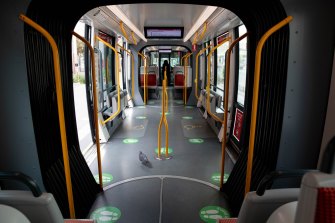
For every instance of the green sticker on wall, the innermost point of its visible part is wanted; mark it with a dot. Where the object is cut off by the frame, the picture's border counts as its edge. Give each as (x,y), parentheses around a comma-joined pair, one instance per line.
(163,150)
(106,178)
(130,141)
(141,117)
(187,117)
(216,177)
(196,141)
(210,214)
(106,214)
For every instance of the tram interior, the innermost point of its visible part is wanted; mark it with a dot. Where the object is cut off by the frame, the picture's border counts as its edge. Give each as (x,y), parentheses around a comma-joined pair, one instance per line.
(188,122)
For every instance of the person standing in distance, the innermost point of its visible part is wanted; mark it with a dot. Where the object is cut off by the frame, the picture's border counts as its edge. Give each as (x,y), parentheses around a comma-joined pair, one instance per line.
(166,66)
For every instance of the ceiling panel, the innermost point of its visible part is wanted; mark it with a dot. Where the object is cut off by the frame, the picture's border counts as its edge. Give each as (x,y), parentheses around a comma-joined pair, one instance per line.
(161,14)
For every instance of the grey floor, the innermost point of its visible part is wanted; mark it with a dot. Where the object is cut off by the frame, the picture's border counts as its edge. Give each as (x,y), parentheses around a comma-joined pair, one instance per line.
(173,190)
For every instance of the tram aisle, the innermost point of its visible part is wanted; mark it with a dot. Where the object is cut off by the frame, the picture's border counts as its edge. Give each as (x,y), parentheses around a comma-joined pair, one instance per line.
(181,189)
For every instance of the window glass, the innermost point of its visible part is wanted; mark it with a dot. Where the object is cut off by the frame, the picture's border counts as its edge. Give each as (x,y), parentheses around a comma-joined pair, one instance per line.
(175,58)
(154,58)
(221,62)
(242,68)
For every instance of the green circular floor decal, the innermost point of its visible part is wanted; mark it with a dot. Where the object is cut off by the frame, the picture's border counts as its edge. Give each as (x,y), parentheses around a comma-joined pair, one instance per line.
(106,214)
(141,106)
(216,177)
(179,102)
(212,213)
(196,141)
(151,102)
(141,117)
(130,141)
(189,106)
(163,150)
(187,117)
(106,178)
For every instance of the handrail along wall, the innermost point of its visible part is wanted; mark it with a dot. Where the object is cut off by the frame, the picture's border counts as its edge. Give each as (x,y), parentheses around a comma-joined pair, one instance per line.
(197,69)
(95,104)
(132,71)
(145,77)
(117,80)
(226,96)
(60,106)
(255,97)
(216,118)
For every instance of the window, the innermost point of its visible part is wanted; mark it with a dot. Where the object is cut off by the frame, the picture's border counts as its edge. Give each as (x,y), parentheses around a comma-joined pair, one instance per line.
(242,66)
(221,62)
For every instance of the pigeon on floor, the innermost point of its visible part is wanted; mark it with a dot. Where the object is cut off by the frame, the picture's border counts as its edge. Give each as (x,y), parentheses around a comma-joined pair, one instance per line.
(143,158)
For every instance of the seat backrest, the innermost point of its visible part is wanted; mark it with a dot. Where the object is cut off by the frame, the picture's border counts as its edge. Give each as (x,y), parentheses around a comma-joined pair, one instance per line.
(257,208)
(37,209)
(10,214)
(317,198)
(35,205)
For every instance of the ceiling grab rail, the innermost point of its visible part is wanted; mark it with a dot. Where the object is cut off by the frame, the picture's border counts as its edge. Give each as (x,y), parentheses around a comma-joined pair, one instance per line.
(95,104)
(117,80)
(197,38)
(60,106)
(216,118)
(132,71)
(197,70)
(163,119)
(226,96)
(124,31)
(133,37)
(255,97)
(145,77)
(185,57)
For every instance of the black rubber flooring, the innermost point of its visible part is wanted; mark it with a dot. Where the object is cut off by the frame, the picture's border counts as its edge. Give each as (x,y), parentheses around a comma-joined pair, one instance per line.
(196,154)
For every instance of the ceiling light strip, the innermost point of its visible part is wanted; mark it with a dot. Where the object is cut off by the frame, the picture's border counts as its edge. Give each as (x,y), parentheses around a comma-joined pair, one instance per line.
(118,12)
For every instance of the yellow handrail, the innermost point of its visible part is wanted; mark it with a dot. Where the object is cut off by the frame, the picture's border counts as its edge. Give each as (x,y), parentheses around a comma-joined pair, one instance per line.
(145,77)
(60,105)
(124,31)
(197,69)
(226,96)
(203,32)
(185,76)
(132,70)
(163,118)
(95,104)
(195,40)
(255,97)
(117,80)
(209,80)
(133,37)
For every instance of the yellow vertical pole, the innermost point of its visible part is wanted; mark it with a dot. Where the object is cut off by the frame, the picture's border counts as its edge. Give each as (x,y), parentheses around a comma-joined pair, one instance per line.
(163,119)
(144,78)
(255,98)
(95,105)
(60,105)
(185,76)
(226,98)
